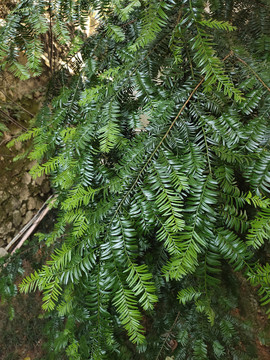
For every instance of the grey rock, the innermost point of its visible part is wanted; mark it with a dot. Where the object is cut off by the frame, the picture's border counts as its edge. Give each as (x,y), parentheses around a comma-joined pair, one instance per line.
(14,190)
(2,97)
(2,230)
(3,196)
(15,203)
(17,218)
(10,93)
(18,146)
(24,193)
(3,252)
(3,215)
(39,180)
(12,204)
(5,228)
(16,131)
(7,136)
(9,225)
(30,165)
(4,181)
(31,203)
(18,169)
(23,209)
(39,203)
(26,179)
(45,187)
(10,238)
(14,180)
(28,217)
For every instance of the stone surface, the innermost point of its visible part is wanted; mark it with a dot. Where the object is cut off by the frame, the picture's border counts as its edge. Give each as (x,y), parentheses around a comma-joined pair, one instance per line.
(19,193)
(39,203)
(24,193)
(45,187)
(16,131)
(31,203)
(11,205)
(14,190)
(7,137)
(26,179)
(23,209)
(39,180)
(3,252)
(3,196)
(9,226)
(18,146)
(28,216)
(14,180)
(4,180)
(3,214)
(16,218)
(30,165)
(18,169)
(2,97)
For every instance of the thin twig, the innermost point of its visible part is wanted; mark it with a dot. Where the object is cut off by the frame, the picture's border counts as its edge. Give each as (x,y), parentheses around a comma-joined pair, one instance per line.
(183,107)
(17,104)
(13,120)
(163,138)
(32,228)
(228,55)
(207,150)
(158,146)
(168,334)
(26,227)
(254,72)
(51,40)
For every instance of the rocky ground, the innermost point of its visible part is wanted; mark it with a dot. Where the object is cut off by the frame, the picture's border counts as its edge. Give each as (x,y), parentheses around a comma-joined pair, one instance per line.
(20,195)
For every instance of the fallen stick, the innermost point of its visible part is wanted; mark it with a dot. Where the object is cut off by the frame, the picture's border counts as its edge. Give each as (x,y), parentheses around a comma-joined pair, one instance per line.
(32,228)
(29,224)
(13,120)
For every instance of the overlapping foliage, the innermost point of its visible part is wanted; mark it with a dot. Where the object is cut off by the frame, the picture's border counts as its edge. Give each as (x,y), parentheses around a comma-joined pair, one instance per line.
(157,148)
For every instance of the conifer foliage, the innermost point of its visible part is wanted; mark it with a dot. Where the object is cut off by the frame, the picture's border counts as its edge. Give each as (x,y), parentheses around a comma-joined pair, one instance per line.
(146,205)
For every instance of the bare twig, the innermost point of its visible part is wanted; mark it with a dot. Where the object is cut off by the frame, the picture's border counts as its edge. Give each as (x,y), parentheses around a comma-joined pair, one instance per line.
(32,228)
(167,336)
(157,147)
(29,224)
(13,120)
(254,72)
(17,104)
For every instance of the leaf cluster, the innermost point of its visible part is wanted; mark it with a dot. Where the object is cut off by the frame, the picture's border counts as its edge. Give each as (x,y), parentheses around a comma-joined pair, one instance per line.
(156,149)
